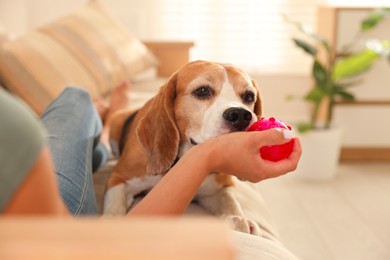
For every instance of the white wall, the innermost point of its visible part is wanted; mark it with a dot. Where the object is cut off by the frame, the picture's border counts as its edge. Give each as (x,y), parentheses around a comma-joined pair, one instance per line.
(140,17)
(365,125)
(19,16)
(274,91)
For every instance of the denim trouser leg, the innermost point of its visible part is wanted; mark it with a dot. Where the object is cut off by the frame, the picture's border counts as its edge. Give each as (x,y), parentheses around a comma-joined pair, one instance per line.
(74,127)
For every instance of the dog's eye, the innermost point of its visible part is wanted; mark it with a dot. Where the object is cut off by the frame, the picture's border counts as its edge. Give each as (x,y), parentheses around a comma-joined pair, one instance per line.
(248,97)
(203,92)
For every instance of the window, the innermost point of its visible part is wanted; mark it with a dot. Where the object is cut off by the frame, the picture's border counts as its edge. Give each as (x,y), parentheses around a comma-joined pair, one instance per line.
(249,33)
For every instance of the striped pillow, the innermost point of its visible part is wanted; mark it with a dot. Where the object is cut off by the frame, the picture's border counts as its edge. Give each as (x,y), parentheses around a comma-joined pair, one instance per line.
(88,48)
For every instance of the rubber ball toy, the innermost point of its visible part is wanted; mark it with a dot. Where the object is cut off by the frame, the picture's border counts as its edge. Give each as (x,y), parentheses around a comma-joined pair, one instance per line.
(273,152)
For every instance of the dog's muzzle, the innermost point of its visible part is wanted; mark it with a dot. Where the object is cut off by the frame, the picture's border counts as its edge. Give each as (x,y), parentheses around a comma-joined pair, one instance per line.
(238,118)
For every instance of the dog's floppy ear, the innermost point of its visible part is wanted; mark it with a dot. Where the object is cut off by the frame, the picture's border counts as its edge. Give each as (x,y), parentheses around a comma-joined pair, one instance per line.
(158,131)
(259,104)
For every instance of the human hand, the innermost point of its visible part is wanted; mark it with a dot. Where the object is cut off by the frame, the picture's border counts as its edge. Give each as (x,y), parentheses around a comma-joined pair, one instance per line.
(238,154)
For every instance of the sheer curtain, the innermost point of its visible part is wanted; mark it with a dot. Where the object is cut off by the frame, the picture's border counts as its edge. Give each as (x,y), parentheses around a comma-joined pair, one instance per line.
(249,33)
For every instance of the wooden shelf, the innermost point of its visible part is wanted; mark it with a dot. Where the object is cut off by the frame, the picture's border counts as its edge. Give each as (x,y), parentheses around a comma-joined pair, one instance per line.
(172,55)
(365,154)
(364,103)
(339,26)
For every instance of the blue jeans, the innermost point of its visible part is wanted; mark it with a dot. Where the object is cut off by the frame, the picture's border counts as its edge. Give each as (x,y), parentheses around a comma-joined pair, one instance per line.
(74,128)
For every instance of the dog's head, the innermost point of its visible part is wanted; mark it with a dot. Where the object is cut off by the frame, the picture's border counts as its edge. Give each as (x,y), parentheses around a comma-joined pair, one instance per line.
(200,101)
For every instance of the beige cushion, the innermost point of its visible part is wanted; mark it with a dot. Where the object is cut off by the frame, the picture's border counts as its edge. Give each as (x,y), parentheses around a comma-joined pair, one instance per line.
(88,48)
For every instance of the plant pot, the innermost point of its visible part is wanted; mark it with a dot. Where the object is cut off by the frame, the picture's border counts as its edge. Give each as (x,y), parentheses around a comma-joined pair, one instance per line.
(320,154)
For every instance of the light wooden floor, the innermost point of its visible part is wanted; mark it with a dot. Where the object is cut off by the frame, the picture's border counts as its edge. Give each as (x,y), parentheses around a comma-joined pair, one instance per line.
(346,218)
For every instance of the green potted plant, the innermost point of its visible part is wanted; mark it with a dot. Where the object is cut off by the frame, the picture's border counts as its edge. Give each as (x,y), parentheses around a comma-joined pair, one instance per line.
(333,76)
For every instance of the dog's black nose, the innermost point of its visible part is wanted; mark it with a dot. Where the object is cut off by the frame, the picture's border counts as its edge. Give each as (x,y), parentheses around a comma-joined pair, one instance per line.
(239,118)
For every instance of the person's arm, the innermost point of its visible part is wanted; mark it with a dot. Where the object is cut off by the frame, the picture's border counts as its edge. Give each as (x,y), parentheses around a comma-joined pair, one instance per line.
(38,193)
(235,153)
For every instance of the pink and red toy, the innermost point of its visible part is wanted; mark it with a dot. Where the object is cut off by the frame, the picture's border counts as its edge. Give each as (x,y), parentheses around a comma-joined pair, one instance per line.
(273,152)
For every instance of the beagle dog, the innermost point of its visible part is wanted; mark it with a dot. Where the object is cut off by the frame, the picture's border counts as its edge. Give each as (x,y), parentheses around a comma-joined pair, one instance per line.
(200,101)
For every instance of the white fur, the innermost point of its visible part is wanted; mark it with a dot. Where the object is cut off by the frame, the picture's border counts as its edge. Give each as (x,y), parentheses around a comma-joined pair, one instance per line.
(137,185)
(212,195)
(208,187)
(115,201)
(223,202)
(213,123)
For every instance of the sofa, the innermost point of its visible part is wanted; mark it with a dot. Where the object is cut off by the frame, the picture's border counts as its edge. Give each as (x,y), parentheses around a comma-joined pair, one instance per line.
(91,49)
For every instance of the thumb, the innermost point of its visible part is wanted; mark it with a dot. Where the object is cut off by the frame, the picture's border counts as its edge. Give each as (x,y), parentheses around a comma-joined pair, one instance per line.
(275,136)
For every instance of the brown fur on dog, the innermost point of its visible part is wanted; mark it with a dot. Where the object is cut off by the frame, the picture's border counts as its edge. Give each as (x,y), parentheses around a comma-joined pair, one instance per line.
(161,129)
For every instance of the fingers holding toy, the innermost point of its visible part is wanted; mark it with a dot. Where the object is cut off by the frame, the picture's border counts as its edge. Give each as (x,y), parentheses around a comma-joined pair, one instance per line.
(259,166)
(258,154)
(282,153)
(238,154)
(272,137)
(274,152)
(273,169)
